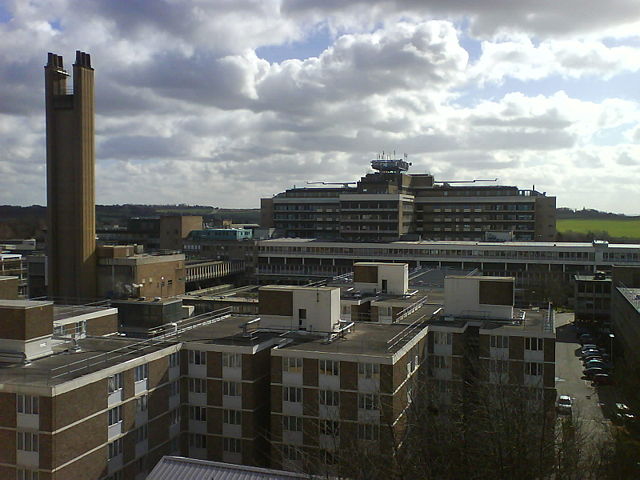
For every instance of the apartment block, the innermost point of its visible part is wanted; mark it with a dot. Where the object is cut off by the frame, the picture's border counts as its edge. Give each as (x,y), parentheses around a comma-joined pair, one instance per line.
(341,390)
(94,407)
(480,337)
(625,321)
(391,204)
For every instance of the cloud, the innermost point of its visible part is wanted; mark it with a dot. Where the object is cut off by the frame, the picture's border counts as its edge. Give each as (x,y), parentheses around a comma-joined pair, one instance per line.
(188,112)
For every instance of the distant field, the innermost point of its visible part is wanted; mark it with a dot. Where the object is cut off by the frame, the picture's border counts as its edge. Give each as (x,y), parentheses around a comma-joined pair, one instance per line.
(615,228)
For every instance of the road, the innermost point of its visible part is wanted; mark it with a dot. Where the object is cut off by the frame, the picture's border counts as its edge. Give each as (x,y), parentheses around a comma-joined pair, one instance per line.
(587,407)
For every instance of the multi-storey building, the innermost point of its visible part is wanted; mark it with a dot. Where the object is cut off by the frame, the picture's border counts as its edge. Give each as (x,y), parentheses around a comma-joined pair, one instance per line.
(480,336)
(390,204)
(625,341)
(14,265)
(545,269)
(295,386)
(593,298)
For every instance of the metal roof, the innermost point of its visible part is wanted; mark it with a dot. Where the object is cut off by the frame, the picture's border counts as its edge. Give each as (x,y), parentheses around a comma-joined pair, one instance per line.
(170,468)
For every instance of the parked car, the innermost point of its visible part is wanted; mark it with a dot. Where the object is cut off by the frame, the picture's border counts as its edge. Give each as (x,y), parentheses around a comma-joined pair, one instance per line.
(602,379)
(589,346)
(592,357)
(596,364)
(590,372)
(564,404)
(586,353)
(623,414)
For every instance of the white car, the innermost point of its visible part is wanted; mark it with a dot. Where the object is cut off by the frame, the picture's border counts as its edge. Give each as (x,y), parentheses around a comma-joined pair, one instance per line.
(564,404)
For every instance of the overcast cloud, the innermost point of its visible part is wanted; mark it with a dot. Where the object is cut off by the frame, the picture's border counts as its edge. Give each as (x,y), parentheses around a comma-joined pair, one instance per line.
(222,102)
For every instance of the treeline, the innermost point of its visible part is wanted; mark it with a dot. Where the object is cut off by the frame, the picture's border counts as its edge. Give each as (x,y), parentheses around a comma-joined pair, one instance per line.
(563,213)
(31,222)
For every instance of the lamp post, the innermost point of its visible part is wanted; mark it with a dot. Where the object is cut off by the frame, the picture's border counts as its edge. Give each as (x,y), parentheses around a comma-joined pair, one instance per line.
(611,337)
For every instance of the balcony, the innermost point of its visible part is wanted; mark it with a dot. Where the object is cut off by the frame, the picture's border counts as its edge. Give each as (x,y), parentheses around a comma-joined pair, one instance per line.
(114,430)
(140,386)
(28,421)
(116,397)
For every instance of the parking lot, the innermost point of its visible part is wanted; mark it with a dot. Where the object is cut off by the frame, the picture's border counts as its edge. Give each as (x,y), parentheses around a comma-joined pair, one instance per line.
(590,404)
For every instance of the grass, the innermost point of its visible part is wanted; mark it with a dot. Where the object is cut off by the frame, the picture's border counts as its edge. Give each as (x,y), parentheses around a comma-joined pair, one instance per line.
(615,228)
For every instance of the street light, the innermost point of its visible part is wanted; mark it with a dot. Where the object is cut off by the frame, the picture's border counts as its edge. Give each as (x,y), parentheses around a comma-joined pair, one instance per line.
(611,337)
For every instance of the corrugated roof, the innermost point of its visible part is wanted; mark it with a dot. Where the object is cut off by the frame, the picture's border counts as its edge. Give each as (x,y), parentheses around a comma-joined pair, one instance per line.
(171,468)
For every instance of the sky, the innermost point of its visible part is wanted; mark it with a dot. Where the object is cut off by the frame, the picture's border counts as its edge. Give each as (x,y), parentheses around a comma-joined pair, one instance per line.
(221,102)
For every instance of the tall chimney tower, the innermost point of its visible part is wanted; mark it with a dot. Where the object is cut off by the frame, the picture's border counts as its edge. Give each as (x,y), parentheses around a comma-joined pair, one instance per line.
(71,241)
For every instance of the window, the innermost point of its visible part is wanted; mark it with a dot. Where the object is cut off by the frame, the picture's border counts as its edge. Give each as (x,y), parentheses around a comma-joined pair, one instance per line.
(28,404)
(232,360)
(174,388)
(142,403)
(232,389)
(141,372)
(329,397)
(25,474)
(292,394)
(174,360)
(289,452)
(291,364)
(232,417)
(532,343)
(533,369)
(329,367)
(197,440)
(233,445)
(292,424)
(440,361)
(196,357)
(115,448)
(197,385)
(368,431)
(115,382)
(115,415)
(368,370)
(368,401)
(198,414)
(499,366)
(442,338)
(174,417)
(140,433)
(330,427)
(27,441)
(499,341)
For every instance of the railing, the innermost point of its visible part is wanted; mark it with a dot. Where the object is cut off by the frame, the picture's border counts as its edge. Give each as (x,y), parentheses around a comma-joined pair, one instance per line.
(117,354)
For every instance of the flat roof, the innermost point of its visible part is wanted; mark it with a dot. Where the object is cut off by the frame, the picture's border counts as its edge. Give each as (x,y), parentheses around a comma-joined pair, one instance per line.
(24,303)
(591,278)
(296,287)
(462,243)
(632,295)
(64,312)
(367,338)
(95,354)
(533,321)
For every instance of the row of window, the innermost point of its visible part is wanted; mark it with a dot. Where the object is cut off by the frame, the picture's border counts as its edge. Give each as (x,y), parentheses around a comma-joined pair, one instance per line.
(229,360)
(530,343)
(496,366)
(231,445)
(329,367)
(366,401)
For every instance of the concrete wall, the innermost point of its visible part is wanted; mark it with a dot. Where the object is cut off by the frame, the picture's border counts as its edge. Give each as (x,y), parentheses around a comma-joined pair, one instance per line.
(462,297)
(9,288)
(281,307)
(368,277)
